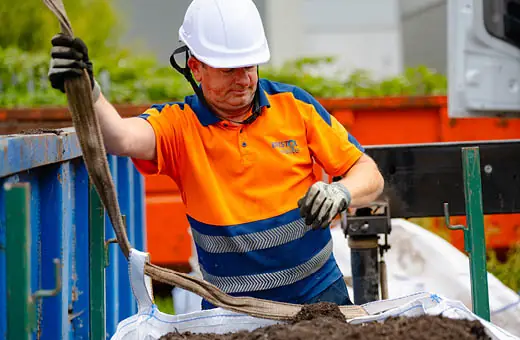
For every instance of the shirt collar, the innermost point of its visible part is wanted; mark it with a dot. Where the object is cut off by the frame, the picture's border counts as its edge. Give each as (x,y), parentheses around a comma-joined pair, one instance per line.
(206,117)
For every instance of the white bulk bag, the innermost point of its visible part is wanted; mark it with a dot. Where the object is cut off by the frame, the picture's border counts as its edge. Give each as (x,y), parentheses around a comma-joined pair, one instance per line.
(420,260)
(149,323)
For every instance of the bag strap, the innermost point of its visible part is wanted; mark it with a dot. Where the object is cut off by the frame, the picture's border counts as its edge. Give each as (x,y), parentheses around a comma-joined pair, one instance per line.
(141,284)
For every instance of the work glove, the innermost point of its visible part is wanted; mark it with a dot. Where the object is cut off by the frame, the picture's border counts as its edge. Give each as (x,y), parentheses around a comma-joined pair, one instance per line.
(323,202)
(69,57)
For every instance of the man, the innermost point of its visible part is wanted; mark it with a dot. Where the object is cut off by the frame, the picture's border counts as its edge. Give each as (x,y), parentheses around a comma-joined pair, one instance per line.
(241,151)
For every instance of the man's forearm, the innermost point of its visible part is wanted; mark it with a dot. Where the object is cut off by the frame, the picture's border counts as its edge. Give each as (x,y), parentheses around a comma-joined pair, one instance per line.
(364,181)
(130,137)
(112,127)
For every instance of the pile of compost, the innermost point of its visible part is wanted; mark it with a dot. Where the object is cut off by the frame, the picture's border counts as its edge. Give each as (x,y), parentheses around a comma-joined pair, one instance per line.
(325,321)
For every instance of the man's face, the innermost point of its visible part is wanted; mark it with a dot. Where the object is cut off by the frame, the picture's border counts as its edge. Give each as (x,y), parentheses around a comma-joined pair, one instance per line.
(228,90)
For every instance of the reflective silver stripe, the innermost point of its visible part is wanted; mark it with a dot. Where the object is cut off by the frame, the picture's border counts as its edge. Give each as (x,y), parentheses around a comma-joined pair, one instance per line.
(248,283)
(254,241)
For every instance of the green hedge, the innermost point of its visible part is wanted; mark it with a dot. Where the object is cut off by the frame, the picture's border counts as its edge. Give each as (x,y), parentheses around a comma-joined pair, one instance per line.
(508,271)
(29,24)
(137,80)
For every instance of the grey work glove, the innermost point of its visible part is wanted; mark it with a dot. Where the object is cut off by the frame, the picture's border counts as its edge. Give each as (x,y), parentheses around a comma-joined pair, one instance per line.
(323,202)
(69,57)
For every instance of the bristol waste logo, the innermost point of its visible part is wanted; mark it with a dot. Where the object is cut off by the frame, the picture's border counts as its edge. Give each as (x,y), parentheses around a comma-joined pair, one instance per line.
(287,147)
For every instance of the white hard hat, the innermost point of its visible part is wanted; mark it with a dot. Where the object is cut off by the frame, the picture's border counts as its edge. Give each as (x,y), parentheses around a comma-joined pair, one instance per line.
(225,33)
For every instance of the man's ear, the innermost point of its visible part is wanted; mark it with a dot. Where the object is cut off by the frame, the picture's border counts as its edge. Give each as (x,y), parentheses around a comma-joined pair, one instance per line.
(196,68)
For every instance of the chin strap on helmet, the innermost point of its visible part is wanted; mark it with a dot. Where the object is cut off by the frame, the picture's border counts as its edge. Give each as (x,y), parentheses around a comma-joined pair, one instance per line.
(186,72)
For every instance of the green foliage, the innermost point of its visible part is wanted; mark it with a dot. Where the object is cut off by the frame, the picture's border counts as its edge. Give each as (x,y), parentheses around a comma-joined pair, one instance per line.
(132,80)
(138,80)
(415,81)
(29,24)
(25,45)
(509,271)
(19,72)
(164,303)
(299,72)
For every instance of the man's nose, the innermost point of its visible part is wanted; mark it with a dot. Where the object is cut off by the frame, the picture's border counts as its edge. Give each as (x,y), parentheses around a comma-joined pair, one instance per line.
(242,77)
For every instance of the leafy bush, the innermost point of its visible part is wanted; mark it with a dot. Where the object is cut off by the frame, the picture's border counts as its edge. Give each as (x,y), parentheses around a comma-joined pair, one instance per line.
(413,82)
(508,271)
(128,79)
(23,80)
(29,24)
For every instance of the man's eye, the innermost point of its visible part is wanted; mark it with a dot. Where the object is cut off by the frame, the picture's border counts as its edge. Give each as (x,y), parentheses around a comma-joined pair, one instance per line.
(229,70)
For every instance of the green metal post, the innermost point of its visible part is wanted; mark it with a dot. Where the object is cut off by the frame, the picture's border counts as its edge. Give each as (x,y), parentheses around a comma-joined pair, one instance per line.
(97,266)
(474,236)
(21,314)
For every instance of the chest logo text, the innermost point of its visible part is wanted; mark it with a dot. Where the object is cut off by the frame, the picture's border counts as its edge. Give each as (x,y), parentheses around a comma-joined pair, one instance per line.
(287,147)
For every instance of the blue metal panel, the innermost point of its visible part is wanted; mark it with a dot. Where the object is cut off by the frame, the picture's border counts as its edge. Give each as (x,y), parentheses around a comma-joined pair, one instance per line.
(125,180)
(125,196)
(56,225)
(20,153)
(80,308)
(59,229)
(68,250)
(139,211)
(112,271)
(36,267)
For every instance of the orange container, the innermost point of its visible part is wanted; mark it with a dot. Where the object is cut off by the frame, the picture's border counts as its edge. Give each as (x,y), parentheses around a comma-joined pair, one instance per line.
(373,121)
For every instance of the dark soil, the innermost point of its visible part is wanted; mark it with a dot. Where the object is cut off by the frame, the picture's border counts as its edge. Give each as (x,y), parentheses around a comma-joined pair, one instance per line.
(325,321)
(318,310)
(40,131)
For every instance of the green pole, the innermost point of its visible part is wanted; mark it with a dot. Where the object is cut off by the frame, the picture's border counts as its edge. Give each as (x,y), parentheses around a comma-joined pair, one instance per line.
(474,235)
(20,308)
(97,266)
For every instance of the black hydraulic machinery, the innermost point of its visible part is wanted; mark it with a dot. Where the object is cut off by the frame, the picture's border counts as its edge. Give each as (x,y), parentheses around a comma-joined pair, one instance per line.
(469,179)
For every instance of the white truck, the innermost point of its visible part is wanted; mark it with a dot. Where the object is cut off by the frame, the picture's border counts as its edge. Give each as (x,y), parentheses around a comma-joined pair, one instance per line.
(483,58)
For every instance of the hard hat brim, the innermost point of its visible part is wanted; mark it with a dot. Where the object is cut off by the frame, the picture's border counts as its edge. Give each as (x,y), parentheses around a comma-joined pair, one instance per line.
(257,59)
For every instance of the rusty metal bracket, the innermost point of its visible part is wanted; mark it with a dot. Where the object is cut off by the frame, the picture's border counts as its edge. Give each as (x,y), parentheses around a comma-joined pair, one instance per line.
(107,243)
(43,293)
(447,220)
(110,241)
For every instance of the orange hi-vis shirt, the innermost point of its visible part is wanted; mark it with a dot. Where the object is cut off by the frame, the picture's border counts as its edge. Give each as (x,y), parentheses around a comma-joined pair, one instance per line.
(241,185)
